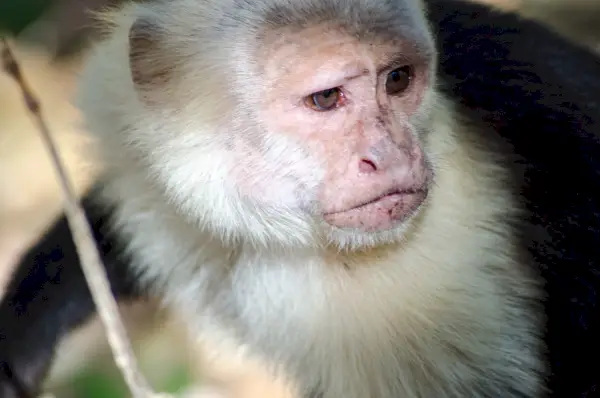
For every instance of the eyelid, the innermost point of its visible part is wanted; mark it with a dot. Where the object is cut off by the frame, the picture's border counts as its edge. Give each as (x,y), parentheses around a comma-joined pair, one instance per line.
(325,86)
(393,65)
(325,82)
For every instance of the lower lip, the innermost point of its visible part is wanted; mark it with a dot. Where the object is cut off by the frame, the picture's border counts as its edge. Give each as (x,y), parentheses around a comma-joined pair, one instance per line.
(381,214)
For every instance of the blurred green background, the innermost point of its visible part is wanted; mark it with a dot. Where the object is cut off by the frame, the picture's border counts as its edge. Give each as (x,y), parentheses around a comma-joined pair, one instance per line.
(17,14)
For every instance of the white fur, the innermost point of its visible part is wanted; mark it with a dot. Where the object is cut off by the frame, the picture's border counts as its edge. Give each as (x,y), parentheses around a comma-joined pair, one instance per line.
(440,312)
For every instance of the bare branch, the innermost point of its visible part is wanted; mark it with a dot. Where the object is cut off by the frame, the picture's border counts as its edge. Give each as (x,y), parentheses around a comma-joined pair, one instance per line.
(87,250)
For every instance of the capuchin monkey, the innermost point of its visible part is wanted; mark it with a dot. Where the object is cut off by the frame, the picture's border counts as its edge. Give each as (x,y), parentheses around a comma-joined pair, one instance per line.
(386,199)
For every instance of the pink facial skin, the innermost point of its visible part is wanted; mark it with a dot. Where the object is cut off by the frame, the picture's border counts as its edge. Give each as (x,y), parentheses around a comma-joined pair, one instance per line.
(376,174)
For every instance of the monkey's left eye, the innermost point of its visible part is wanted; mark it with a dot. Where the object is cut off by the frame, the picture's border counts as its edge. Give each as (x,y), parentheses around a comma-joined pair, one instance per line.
(325,100)
(399,80)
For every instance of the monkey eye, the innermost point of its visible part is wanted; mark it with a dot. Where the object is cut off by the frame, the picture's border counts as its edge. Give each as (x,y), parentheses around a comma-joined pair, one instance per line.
(399,80)
(324,100)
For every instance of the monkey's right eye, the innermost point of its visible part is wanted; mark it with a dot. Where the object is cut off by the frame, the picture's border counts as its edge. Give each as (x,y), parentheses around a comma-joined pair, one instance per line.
(325,100)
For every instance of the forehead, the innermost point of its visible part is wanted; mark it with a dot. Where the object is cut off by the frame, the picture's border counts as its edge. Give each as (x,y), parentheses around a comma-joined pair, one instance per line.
(292,51)
(361,18)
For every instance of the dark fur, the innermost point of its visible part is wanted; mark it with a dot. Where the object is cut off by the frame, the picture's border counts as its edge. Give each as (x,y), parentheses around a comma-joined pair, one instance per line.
(543,96)
(538,91)
(48,297)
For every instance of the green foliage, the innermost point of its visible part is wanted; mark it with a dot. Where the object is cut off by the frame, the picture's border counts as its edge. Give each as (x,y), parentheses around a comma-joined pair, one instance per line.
(176,379)
(102,380)
(98,384)
(15,15)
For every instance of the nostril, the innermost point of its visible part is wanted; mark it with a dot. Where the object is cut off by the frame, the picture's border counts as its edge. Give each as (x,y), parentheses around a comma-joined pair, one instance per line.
(367,166)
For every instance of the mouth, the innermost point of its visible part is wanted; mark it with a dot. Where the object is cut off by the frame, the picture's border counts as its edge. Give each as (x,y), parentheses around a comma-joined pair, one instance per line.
(380,213)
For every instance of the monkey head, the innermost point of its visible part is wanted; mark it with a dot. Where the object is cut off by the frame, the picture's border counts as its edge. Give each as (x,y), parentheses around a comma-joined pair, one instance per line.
(355,107)
(289,127)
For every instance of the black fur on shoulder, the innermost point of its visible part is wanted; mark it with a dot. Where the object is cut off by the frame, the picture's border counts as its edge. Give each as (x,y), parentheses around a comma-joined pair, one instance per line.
(48,297)
(541,94)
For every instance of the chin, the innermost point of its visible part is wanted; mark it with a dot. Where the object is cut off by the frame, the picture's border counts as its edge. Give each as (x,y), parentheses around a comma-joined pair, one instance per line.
(372,229)
(354,239)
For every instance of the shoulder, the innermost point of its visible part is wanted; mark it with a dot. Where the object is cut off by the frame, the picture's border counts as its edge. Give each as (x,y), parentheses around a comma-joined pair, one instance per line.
(541,94)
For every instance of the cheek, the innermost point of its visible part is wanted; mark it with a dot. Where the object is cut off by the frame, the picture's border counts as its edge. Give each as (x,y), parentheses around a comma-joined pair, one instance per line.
(277,172)
(422,87)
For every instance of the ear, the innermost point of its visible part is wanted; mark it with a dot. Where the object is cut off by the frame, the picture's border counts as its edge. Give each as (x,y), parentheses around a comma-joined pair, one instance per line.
(149,61)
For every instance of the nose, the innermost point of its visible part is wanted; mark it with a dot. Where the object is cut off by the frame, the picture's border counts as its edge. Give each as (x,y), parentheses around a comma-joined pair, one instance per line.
(378,160)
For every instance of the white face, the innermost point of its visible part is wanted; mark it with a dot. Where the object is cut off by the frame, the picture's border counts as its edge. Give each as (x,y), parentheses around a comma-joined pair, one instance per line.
(325,148)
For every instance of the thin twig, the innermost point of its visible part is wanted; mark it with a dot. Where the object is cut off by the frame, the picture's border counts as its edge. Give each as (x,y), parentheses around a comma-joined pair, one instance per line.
(87,250)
